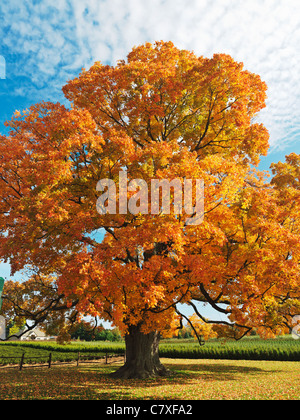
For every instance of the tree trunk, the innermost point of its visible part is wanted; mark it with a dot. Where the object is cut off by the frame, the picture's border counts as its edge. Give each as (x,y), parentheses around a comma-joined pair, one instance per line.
(142,358)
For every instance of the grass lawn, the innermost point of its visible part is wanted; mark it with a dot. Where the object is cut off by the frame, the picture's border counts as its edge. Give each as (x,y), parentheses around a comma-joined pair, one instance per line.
(192,380)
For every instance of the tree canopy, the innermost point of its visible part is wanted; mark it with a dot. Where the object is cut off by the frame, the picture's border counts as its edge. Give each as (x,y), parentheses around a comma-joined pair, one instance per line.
(164,114)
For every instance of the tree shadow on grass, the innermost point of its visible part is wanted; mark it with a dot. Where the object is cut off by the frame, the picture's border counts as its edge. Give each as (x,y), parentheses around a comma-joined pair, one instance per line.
(94,382)
(215,372)
(195,369)
(67,383)
(182,373)
(217,368)
(192,376)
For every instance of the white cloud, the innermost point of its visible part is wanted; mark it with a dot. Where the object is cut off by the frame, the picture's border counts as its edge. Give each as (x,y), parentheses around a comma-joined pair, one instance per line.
(58,38)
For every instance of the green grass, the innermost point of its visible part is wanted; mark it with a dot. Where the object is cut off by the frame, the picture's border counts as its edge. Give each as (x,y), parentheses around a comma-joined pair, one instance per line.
(40,354)
(250,348)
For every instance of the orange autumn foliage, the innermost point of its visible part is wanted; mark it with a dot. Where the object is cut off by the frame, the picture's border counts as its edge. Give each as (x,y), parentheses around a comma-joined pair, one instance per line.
(164,113)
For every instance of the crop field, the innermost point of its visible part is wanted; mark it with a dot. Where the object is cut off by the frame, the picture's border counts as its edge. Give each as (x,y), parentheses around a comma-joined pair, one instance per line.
(38,354)
(250,348)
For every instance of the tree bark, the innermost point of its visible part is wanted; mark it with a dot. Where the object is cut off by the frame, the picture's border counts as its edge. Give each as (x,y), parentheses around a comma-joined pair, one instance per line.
(142,358)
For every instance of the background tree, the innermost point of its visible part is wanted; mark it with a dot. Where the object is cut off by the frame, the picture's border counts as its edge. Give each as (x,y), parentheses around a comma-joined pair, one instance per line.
(162,114)
(85,331)
(36,301)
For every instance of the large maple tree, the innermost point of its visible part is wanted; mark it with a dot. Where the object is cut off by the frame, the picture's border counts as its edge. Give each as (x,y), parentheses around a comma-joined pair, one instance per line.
(164,114)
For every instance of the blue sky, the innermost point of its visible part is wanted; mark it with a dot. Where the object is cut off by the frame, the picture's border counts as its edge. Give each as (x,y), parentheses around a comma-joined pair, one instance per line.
(45,43)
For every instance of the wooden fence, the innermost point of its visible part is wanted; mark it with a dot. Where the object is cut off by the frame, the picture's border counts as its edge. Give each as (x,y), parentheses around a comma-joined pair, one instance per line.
(79,359)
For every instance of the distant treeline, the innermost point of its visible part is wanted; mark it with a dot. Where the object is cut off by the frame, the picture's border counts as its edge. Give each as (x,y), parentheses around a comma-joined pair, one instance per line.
(85,333)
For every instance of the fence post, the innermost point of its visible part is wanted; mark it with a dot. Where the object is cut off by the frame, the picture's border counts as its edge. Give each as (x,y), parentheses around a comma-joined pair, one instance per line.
(22,361)
(106,358)
(50,359)
(78,358)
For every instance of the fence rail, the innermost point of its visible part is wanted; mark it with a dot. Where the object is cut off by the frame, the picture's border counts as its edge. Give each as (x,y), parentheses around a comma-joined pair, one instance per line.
(48,362)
